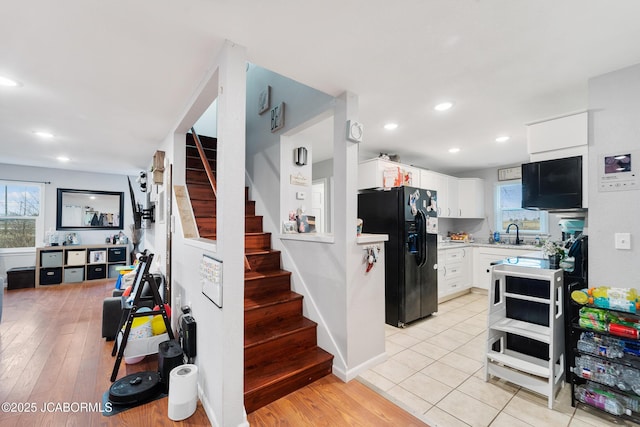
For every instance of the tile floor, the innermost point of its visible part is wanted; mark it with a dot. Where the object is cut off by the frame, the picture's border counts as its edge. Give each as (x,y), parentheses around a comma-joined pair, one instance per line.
(435,371)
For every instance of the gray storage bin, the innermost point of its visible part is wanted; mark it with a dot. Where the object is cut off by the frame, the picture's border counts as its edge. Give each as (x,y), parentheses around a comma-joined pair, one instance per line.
(113,273)
(73,274)
(51,259)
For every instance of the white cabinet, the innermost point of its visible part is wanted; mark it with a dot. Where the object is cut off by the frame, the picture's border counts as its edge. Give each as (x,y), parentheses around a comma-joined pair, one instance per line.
(457,197)
(560,133)
(379,173)
(471,198)
(525,329)
(454,271)
(484,256)
(447,188)
(452,198)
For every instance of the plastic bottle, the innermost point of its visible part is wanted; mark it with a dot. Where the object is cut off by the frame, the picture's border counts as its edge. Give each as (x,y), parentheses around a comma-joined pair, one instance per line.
(599,292)
(596,370)
(599,399)
(604,346)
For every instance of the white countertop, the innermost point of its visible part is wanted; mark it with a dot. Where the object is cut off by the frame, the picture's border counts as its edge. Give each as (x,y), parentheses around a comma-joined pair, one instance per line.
(451,245)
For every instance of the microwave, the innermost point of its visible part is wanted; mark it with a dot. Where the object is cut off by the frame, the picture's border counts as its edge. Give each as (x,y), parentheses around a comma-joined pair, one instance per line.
(552,184)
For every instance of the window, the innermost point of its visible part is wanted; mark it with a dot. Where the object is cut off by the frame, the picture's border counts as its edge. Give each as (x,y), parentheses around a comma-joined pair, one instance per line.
(509,210)
(21,219)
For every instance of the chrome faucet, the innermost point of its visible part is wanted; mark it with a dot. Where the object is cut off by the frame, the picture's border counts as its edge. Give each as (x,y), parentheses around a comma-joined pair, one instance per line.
(517,232)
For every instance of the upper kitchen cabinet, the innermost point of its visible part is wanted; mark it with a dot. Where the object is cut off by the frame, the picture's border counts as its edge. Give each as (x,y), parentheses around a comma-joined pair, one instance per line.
(380,173)
(471,198)
(558,134)
(438,182)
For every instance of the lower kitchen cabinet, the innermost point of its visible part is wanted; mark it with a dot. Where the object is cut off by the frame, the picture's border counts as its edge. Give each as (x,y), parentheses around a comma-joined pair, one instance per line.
(454,271)
(483,257)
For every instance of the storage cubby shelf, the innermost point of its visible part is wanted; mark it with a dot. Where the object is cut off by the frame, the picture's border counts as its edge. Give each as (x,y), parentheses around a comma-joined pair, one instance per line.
(77,263)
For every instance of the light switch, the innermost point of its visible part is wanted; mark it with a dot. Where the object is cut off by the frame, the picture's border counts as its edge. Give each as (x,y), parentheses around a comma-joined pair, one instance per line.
(623,240)
(300,195)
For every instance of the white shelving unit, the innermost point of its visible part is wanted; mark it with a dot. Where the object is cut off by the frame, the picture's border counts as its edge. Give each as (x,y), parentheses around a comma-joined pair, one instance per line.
(525,341)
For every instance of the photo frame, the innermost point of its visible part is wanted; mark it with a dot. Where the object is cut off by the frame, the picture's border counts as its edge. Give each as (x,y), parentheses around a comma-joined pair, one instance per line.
(264,100)
(277,117)
(289,227)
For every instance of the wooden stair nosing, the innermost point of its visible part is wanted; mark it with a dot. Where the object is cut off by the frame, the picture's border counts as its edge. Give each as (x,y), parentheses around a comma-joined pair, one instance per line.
(272,300)
(279,348)
(268,332)
(303,368)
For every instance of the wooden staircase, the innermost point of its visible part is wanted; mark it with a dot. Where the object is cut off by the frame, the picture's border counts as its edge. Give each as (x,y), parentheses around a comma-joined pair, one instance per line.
(280,345)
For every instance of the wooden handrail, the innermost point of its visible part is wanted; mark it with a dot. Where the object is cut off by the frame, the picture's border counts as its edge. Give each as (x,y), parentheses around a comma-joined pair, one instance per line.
(205,161)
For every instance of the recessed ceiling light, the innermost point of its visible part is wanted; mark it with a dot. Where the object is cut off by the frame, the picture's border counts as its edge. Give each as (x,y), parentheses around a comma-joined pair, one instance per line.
(504,138)
(454,150)
(63,158)
(4,81)
(391,126)
(444,106)
(43,134)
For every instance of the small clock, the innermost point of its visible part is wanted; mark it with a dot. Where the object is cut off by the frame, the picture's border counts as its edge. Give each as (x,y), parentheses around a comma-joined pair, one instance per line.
(354,131)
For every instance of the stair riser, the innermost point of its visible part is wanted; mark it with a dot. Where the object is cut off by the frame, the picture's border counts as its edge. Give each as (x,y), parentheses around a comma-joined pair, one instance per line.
(194,162)
(256,399)
(206,141)
(203,208)
(201,193)
(269,285)
(264,262)
(280,347)
(252,224)
(273,313)
(258,241)
(197,177)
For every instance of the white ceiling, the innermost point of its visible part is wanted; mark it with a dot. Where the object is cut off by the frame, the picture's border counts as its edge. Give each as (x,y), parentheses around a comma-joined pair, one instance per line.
(111,78)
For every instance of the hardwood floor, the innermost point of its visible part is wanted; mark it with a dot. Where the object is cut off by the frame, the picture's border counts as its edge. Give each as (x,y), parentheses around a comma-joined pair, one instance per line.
(51,353)
(330,402)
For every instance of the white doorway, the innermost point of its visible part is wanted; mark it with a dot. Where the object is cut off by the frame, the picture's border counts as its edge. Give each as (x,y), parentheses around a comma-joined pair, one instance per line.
(318,205)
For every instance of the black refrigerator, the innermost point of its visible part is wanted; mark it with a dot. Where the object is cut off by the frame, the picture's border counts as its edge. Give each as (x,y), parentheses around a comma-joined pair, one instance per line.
(408,216)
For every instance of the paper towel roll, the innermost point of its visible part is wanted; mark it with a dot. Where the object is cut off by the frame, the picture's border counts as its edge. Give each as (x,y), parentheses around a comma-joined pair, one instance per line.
(183,392)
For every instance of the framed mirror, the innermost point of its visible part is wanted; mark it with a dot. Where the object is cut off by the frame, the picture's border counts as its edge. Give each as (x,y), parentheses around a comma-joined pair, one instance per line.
(89,210)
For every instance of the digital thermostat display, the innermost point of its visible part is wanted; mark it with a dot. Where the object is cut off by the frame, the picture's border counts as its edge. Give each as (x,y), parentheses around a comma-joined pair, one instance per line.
(617,172)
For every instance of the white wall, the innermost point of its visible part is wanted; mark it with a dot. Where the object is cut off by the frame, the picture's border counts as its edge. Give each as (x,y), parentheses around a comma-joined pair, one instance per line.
(61,178)
(614,108)
(220,331)
(326,273)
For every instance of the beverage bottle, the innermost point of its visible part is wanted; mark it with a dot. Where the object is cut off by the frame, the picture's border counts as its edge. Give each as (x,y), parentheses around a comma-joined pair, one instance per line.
(590,368)
(599,399)
(599,292)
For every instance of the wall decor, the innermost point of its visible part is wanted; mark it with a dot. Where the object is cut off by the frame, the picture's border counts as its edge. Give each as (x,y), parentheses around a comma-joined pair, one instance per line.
(263,100)
(298,179)
(87,209)
(508,174)
(277,117)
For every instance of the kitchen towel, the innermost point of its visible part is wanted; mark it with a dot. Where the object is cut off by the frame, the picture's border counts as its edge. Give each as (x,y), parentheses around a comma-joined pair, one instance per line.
(183,392)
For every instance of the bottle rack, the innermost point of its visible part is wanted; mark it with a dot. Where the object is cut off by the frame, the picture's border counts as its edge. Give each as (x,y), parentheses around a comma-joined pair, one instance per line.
(628,361)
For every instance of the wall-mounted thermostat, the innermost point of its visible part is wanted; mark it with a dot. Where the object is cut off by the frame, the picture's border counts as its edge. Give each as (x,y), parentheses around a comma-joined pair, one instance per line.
(619,171)
(354,131)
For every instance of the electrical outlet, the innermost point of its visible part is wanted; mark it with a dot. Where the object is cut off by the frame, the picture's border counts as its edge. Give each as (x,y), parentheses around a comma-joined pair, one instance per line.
(623,241)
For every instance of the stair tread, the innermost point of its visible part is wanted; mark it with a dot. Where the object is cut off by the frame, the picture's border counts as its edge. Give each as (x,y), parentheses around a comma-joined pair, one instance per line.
(261,251)
(257,275)
(271,299)
(267,374)
(269,331)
